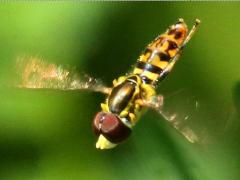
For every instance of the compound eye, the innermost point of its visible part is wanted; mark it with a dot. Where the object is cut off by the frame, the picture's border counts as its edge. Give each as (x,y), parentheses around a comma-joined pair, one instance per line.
(111,127)
(97,122)
(110,123)
(104,123)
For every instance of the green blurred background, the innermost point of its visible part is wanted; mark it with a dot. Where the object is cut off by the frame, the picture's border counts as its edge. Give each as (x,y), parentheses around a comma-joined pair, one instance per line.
(46,134)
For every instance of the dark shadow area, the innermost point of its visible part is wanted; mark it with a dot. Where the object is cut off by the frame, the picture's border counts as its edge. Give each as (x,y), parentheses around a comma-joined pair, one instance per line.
(18,155)
(233,126)
(236,97)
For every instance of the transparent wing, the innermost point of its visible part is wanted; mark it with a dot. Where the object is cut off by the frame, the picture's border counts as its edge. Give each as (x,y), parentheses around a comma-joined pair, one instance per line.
(180,123)
(35,73)
(198,117)
(183,114)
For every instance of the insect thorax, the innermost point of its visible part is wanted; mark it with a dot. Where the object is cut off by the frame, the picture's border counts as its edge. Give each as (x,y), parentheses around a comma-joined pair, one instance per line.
(121,100)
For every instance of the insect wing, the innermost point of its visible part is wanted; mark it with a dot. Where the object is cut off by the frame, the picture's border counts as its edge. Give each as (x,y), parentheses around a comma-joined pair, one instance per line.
(35,73)
(183,114)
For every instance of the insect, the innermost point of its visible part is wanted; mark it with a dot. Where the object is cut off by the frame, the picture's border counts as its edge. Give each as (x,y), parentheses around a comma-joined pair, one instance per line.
(130,93)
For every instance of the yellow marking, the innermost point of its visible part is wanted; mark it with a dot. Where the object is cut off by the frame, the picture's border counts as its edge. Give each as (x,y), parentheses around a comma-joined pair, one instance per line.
(155,60)
(163,64)
(149,91)
(114,82)
(164,46)
(132,117)
(104,107)
(137,71)
(103,143)
(150,75)
(171,37)
(139,102)
(123,113)
(121,79)
(139,81)
(172,53)
(144,57)
(137,106)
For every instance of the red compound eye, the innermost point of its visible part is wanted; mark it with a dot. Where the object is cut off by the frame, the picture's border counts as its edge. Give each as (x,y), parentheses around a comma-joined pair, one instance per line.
(97,122)
(111,127)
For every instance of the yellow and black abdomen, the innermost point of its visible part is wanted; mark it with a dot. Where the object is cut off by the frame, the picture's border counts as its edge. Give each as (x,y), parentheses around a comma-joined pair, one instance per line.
(159,53)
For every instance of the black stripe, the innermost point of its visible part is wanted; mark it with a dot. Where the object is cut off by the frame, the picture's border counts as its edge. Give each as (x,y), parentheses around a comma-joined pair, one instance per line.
(149,67)
(178,35)
(146,80)
(164,56)
(140,64)
(153,68)
(172,45)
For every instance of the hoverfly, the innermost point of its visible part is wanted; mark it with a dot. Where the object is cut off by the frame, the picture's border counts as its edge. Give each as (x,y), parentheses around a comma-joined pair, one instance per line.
(130,93)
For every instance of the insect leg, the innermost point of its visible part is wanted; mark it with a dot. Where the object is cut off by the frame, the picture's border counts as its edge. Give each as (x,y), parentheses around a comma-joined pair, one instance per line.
(191,33)
(169,67)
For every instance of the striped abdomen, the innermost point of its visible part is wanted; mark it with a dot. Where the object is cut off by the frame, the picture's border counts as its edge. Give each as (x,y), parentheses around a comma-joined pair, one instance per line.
(160,52)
